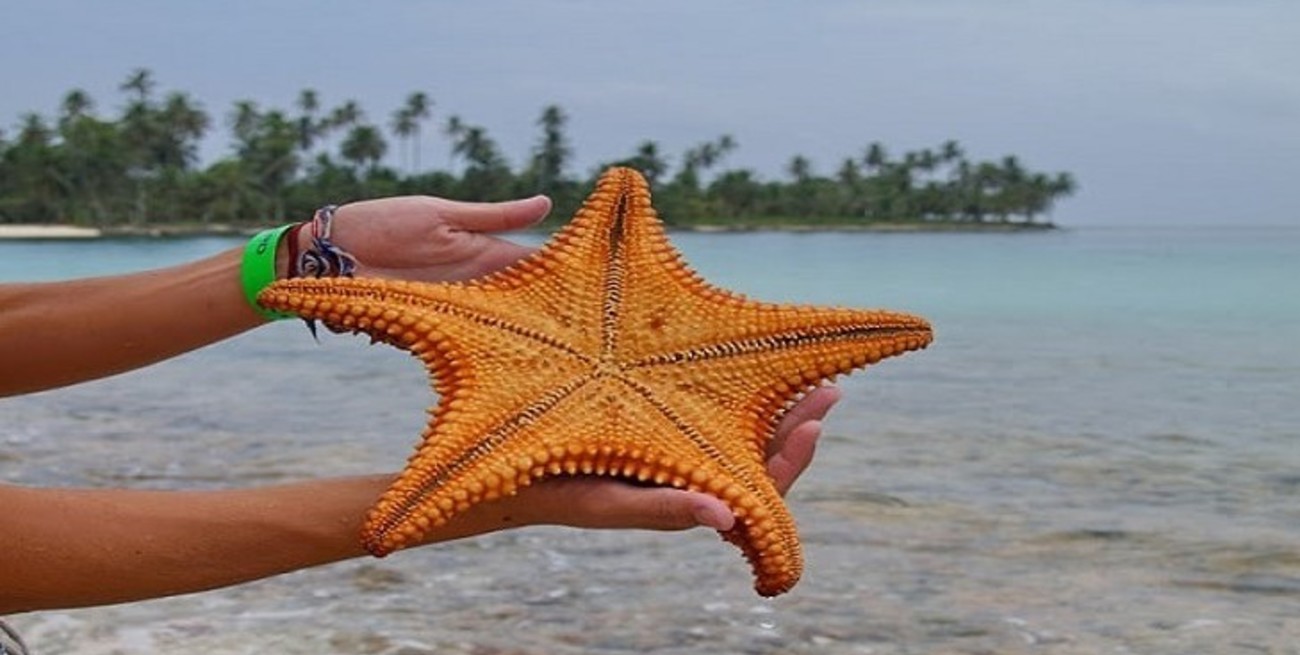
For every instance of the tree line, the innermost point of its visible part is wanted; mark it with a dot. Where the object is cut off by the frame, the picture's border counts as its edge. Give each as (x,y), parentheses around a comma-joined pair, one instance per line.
(141,168)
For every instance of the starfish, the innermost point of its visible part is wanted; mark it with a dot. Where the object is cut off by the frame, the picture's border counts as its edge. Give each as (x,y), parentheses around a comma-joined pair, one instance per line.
(601,353)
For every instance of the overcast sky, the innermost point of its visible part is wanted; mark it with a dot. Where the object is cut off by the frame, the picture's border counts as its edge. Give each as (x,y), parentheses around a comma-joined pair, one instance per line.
(1166,111)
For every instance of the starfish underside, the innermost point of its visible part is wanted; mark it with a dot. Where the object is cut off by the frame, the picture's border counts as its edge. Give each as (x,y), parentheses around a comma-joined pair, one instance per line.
(602,353)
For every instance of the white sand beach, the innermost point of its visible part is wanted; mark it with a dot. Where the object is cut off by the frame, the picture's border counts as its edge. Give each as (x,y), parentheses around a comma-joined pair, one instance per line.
(48,232)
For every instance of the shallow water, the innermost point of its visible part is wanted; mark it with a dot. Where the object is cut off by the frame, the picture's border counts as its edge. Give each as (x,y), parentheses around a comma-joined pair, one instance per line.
(1100,453)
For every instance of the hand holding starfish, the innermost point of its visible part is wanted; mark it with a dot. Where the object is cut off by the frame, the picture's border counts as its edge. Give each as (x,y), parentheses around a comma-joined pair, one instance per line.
(433,239)
(77,547)
(598,502)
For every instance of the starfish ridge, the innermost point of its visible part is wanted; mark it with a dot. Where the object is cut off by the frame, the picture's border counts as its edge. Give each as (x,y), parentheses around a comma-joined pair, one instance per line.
(603,354)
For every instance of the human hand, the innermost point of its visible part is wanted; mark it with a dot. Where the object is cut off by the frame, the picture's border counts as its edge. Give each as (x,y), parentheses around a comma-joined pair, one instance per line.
(594,502)
(432,239)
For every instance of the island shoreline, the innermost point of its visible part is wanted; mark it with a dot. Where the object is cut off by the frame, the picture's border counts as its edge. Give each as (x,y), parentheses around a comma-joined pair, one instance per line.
(41,232)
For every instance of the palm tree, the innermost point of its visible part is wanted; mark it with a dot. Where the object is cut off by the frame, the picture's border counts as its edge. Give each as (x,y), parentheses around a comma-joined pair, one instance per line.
(229,193)
(648,160)
(404,126)
(950,152)
(454,129)
(800,198)
(876,157)
(735,193)
(34,131)
(486,175)
(849,179)
(925,160)
(552,151)
(78,135)
(76,104)
(346,114)
(244,120)
(477,148)
(708,155)
(1043,192)
(140,83)
(724,146)
(1064,184)
(343,117)
(1012,183)
(308,126)
(703,157)
(418,108)
(267,149)
(364,145)
(849,174)
(182,124)
(989,191)
(140,134)
(137,118)
(94,165)
(800,169)
(31,159)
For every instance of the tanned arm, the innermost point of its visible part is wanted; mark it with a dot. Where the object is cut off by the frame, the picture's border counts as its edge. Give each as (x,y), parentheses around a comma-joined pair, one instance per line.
(58,333)
(78,547)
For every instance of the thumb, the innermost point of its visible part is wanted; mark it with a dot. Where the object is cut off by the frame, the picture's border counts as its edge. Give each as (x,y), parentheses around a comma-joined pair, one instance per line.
(666,508)
(604,503)
(494,216)
(712,513)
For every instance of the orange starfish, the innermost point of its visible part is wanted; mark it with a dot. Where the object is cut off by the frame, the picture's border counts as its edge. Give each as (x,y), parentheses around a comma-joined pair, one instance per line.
(601,353)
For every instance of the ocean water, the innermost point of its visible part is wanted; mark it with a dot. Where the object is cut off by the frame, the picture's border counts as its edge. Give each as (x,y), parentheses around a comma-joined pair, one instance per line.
(1099,453)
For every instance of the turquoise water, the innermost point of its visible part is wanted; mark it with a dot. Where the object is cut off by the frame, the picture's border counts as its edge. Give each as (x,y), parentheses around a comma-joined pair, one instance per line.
(1100,452)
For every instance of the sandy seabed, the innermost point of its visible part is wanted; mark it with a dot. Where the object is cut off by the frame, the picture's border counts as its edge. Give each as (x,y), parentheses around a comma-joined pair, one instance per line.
(48,232)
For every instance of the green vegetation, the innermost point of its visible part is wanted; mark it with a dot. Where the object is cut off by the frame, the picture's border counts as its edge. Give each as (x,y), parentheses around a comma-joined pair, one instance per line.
(141,170)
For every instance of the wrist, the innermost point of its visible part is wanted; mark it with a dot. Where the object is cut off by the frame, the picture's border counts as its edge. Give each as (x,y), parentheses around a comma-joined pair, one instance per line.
(289,250)
(261,265)
(321,256)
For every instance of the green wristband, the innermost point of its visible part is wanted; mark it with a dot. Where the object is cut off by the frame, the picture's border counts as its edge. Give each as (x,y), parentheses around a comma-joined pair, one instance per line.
(257,271)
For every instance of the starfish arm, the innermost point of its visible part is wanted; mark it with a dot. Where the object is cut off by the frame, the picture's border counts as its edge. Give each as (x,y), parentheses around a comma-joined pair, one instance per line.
(680,313)
(459,464)
(654,303)
(824,337)
(723,463)
(388,309)
(783,352)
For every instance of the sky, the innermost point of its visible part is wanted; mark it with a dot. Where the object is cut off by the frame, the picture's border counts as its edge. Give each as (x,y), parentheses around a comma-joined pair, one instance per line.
(1165,111)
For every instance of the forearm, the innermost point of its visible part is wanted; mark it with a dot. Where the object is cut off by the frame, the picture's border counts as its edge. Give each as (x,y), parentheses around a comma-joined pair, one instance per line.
(71,548)
(58,333)
(79,547)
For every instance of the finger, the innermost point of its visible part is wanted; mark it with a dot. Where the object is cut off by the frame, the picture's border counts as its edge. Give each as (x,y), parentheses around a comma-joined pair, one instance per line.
(664,508)
(787,465)
(599,503)
(812,407)
(494,216)
(711,512)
